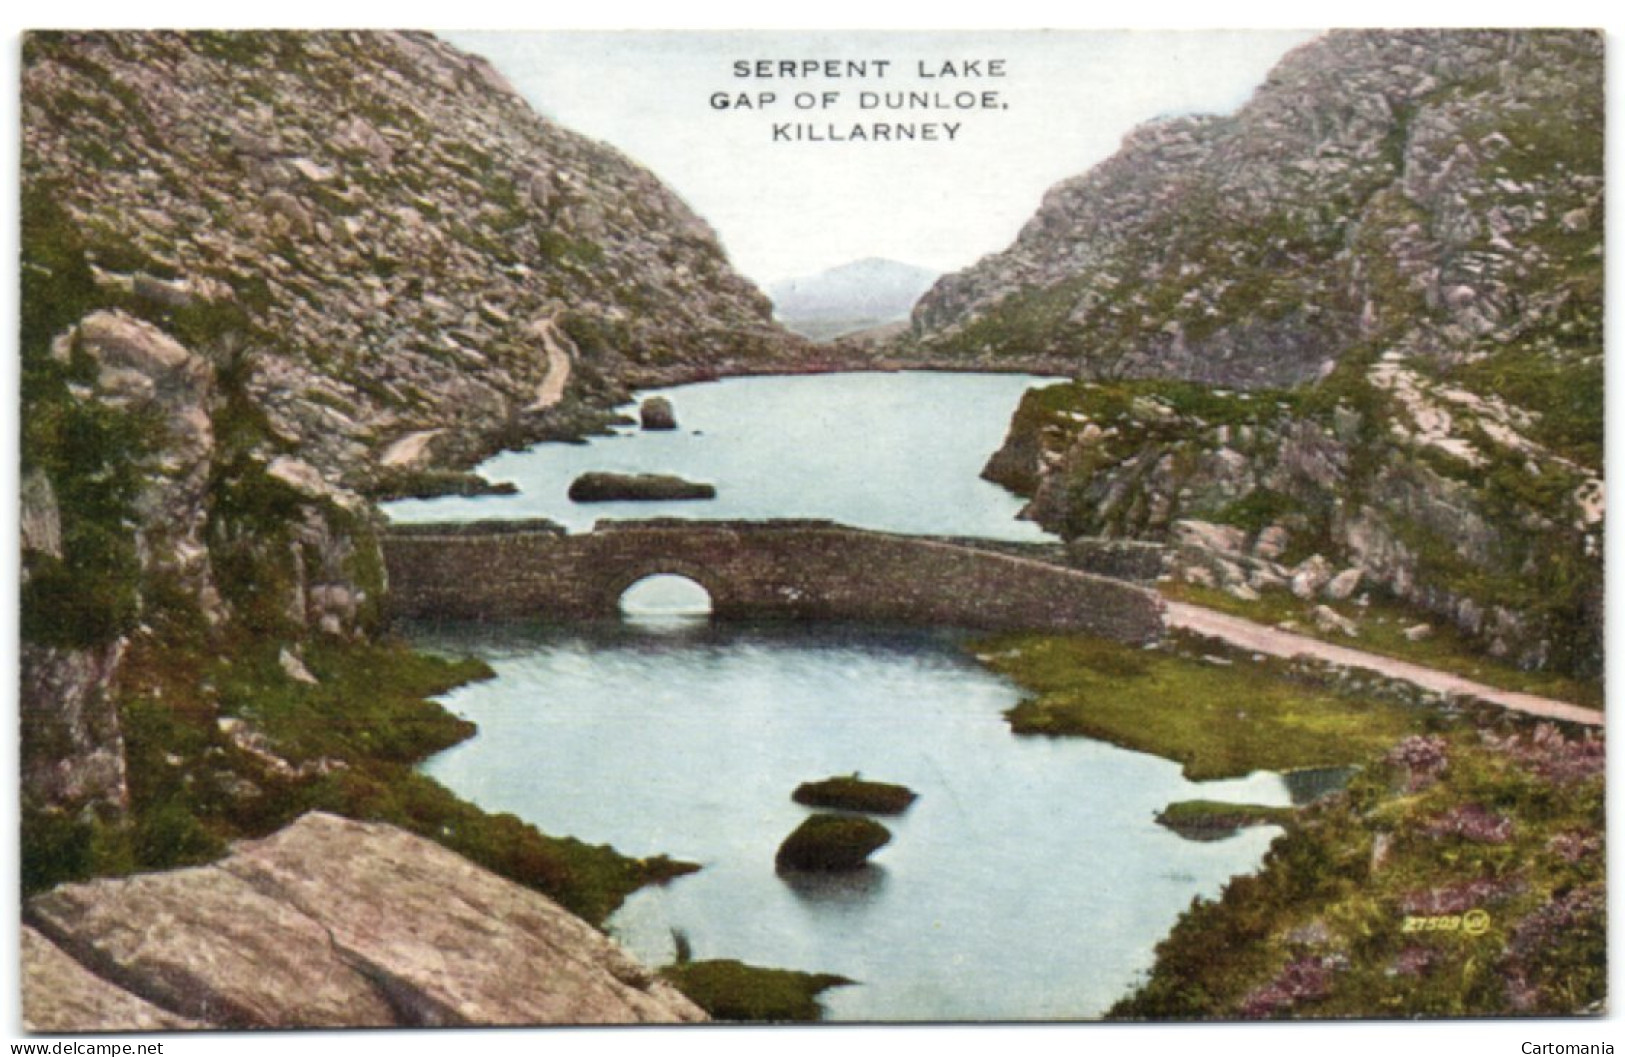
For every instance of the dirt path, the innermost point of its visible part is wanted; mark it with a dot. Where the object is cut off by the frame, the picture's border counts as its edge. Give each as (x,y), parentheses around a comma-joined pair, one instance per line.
(551,390)
(1274,642)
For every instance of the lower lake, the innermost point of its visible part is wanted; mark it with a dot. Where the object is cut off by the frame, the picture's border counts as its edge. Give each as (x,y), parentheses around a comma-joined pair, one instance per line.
(1029,880)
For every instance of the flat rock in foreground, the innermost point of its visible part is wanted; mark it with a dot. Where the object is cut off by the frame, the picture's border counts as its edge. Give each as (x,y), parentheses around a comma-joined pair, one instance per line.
(203,943)
(339,923)
(60,995)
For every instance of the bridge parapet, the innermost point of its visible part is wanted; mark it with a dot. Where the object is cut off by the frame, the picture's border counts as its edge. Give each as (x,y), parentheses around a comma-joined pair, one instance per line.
(775,569)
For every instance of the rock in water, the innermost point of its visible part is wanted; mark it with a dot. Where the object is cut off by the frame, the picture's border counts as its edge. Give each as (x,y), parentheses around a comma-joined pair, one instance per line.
(645,487)
(656,413)
(828,843)
(852,793)
(1208,820)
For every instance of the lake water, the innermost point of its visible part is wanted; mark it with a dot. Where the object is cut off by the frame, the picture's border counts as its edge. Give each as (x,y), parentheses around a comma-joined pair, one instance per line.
(900,452)
(1029,881)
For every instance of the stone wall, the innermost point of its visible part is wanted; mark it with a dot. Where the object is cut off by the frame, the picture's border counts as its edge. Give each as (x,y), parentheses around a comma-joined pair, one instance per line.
(804,570)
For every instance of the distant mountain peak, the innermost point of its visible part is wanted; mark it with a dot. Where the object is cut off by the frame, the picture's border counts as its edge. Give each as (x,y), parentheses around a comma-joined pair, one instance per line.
(848,297)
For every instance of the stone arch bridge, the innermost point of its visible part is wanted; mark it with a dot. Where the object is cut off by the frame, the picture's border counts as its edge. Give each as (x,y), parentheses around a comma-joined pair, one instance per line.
(804,570)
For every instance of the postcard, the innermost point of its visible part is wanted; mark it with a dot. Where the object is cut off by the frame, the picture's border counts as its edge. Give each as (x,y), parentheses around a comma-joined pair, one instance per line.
(624,527)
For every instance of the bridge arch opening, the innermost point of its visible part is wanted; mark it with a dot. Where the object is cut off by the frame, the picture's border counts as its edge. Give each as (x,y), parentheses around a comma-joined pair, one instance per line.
(664,598)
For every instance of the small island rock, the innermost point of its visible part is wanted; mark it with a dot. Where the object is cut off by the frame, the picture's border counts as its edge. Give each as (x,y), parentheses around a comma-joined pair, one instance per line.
(656,413)
(644,487)
(827,843)
(851,793)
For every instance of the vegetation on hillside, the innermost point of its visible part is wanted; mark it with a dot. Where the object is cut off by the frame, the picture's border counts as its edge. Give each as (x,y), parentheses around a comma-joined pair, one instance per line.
(1460,873)
(222,737)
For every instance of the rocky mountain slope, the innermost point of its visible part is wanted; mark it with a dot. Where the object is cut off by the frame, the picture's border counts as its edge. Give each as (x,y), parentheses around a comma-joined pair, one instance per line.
(851,297)
(381,222)
(265,276)
(1362,316)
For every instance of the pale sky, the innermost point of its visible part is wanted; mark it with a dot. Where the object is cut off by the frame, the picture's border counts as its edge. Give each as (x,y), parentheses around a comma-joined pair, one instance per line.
(789,209)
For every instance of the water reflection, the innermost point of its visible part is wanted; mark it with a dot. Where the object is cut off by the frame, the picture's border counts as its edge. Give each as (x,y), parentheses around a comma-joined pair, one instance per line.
(665,595)
(837,888)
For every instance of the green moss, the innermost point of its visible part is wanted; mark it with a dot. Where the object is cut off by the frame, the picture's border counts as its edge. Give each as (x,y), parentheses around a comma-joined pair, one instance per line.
(354,740)
(236,48)
(368,703)
(852,793)
(831,842)
(731,990)
(589,880)
(1219,721)
(91,453)
(85,601)
(595,336)
(558,248)
(57,287)
(1567,392)
(1257,510)
(54,848)
(252,516)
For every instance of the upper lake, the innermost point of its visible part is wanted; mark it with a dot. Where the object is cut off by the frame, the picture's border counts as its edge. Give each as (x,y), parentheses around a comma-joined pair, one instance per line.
(897,452)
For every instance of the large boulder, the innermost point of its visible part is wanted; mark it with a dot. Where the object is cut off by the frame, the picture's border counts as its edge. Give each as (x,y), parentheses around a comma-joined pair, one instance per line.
(1342,586)
(1207,536)
(1310,576)
(332,922)
(206,944)
(62,996)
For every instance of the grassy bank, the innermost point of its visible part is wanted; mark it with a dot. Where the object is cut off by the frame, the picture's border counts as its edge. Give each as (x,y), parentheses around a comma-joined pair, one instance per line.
(1459,874)
(228,744)
(1219,716)
(731,990)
